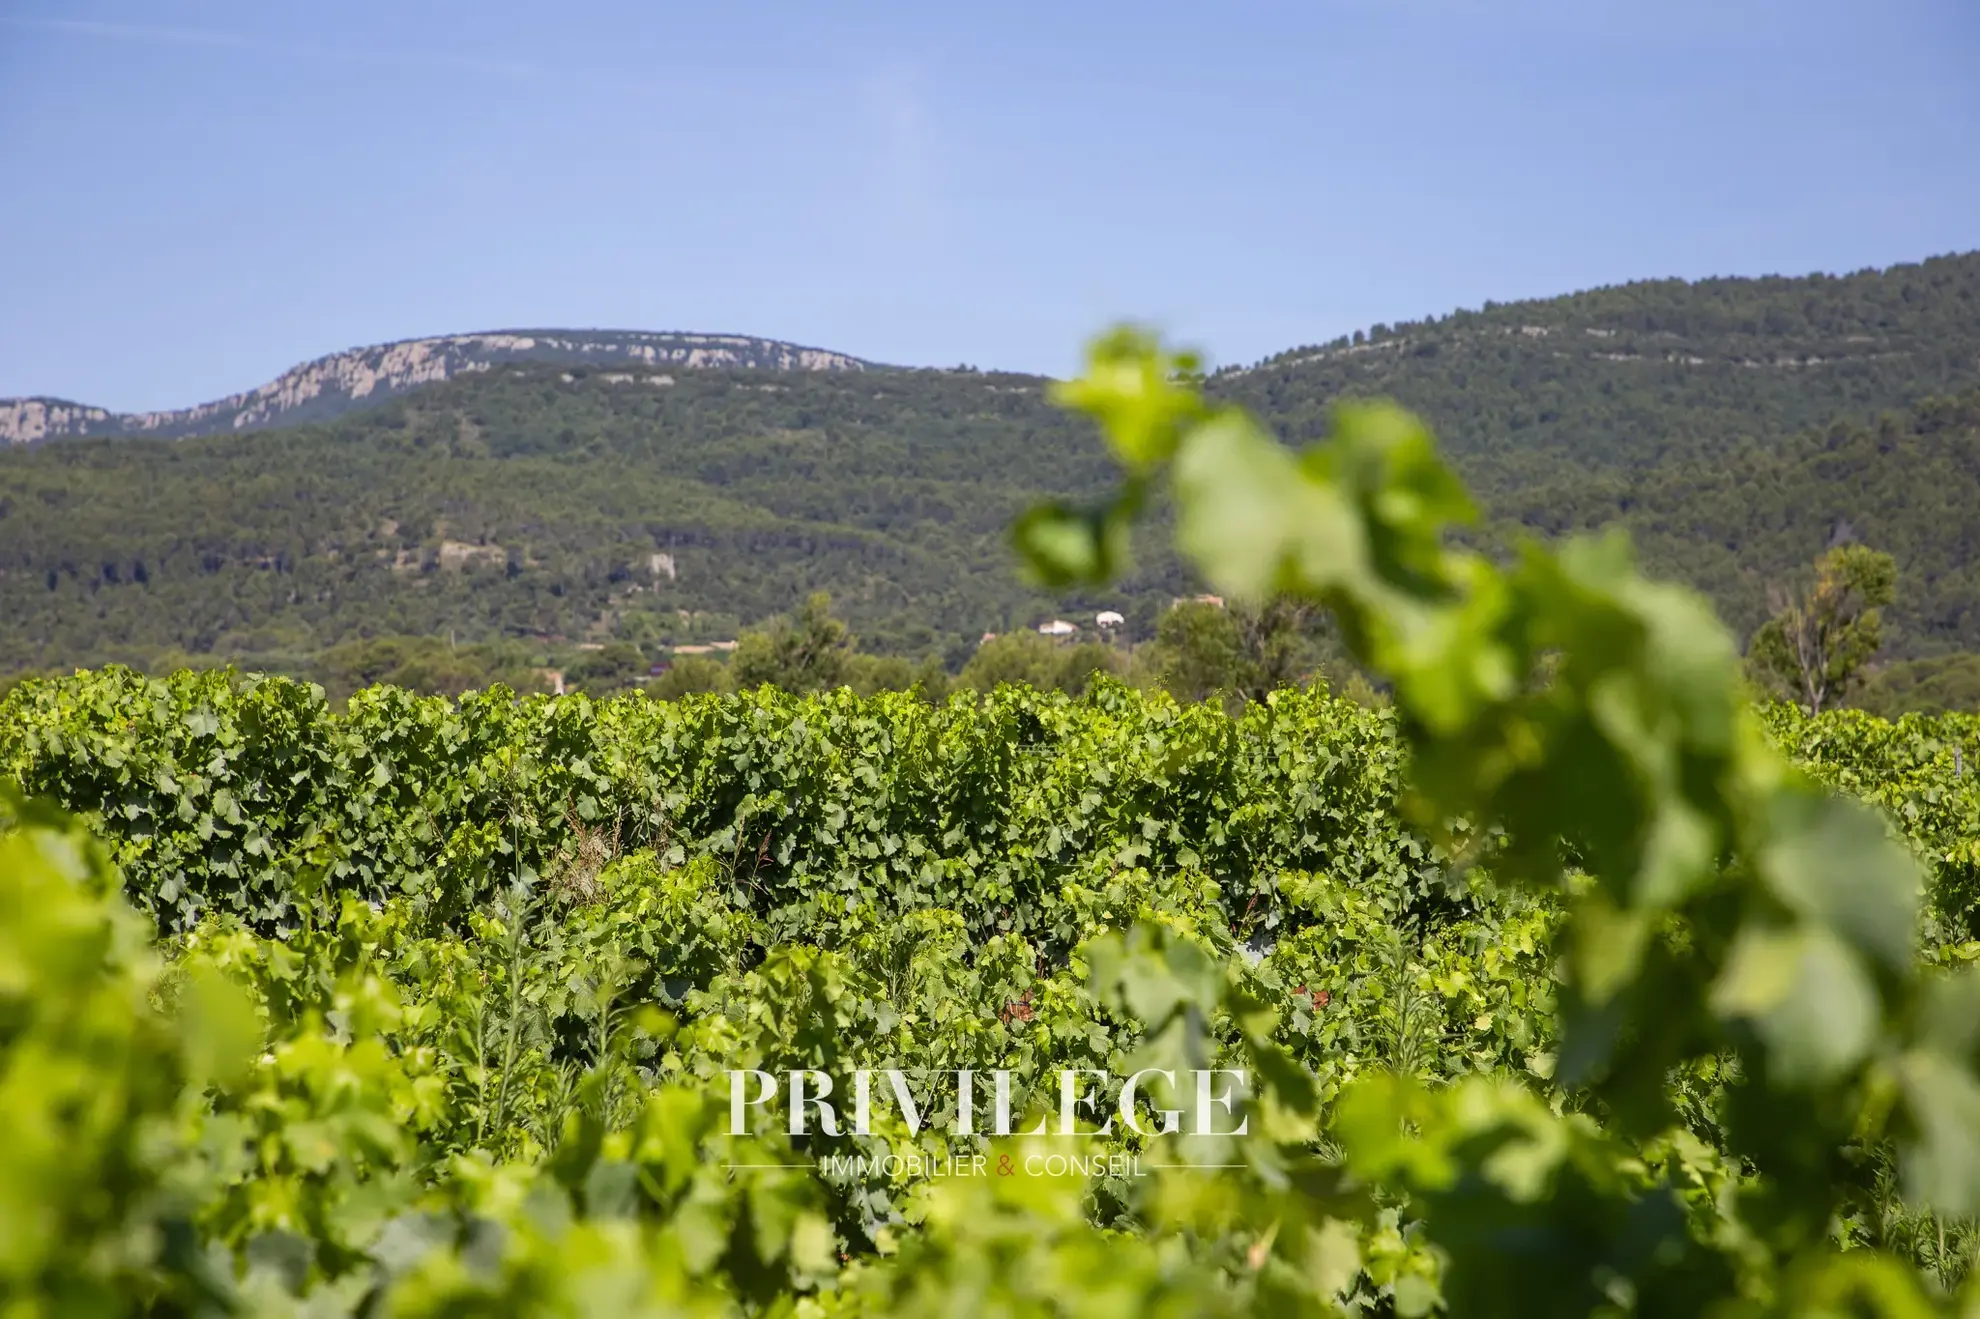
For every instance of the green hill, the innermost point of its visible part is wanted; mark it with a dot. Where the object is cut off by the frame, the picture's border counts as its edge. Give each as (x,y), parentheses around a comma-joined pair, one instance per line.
(1744,520)
(1632,376)
(545,501)
(1735,424)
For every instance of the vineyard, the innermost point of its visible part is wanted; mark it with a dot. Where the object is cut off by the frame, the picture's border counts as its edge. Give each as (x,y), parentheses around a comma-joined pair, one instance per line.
(1566,985)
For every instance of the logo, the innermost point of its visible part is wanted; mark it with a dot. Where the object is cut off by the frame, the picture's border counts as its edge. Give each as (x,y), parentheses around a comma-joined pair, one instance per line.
(1202,1103)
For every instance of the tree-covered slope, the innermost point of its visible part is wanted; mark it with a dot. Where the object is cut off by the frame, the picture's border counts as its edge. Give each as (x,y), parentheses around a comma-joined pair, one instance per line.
(1733,423)
(547,501)
(1738,523)
(1630,376)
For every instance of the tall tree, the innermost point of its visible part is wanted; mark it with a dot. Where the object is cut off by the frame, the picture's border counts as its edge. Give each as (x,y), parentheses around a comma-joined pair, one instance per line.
(1815,646)
(1196,651)
(1241,650)
(808,652)
(1027,658)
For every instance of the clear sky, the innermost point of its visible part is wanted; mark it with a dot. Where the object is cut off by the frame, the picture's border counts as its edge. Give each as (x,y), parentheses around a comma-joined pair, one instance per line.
(197,194)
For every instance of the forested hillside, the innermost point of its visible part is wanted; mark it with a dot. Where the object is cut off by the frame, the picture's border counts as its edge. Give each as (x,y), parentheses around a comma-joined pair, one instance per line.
(1733,522)
(546,501)
(1635,375)
(1736,425)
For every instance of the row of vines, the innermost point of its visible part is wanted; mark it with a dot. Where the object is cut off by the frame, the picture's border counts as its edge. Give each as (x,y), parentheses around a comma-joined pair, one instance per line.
(483,938)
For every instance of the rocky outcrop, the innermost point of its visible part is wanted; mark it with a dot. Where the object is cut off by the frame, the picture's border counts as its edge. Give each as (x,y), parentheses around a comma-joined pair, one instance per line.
(319,390)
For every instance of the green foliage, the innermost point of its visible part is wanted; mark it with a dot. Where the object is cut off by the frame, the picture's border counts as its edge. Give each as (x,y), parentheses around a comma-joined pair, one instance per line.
(520,505)
(1921,772)
(615,667)
(1599,721)
(690,675)
(1198,651)
(1749,513)
(540,1066)
(1654,374)
(1732,423)
(1815,648)
(406,1115)
(217,788)
(868,675)
(1240,650)
(91,1079)
(808,653)
(423,664)
(1561,988)
(1028,659)
(1929,686)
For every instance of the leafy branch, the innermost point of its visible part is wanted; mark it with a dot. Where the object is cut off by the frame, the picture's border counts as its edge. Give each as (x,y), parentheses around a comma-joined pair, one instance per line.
(1599,720)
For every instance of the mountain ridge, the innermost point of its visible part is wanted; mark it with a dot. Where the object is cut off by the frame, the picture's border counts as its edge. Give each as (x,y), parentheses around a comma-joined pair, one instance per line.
(539,500)
(324,387)
(1667,307)
(1650,323)
(1631,375)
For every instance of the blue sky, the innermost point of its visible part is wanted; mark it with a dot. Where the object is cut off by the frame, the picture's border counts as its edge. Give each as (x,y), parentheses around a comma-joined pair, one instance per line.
(198,195)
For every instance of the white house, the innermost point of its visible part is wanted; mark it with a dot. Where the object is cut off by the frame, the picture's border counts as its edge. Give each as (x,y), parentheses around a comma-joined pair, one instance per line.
(1058,627)
(1108,618)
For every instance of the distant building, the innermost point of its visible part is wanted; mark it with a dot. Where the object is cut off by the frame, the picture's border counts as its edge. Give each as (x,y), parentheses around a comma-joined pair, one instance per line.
(1108,618)
(1058,627)
(988,637)
(1216,600)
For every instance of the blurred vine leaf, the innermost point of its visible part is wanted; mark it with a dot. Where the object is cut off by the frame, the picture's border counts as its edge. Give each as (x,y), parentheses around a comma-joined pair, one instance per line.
(1599,720)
